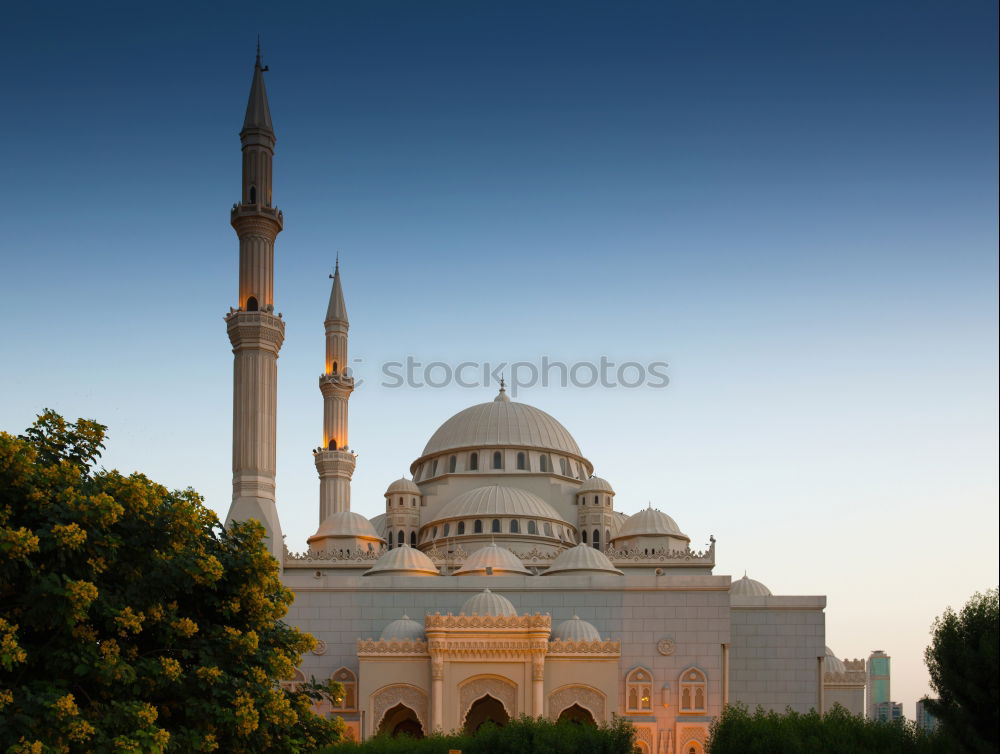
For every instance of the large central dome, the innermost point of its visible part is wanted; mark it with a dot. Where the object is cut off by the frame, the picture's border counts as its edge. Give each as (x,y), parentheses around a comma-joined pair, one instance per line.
(502,423)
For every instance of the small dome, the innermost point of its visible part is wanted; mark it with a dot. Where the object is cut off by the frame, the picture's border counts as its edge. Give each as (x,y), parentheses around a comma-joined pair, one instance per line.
(488,603)
(747,587)
(581,558)
(404,629)
(378,524)
(497,501)
(832,663)
(403,486)
(499,559)
(403,559)
(575,629)
(346,524)
(596,484)
(499,423)
(650,522)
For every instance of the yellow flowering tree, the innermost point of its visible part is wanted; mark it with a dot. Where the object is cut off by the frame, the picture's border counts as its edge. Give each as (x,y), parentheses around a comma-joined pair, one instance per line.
(130,620)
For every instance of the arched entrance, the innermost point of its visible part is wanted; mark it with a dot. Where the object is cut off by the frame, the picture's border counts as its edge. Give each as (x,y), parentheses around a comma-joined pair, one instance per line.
(401,721)
(483,710)
(576,714)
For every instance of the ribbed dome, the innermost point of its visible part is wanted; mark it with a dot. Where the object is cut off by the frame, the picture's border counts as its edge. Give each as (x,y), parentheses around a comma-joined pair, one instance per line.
(499,559)
(403,486)
(833,664)
(403,559)
(581,558)
(497,501)
(488,603)
(504,423)
(346,524)
(378,524)
(575,629)
(650,522)
(404,629)
(747,587)
(596,484)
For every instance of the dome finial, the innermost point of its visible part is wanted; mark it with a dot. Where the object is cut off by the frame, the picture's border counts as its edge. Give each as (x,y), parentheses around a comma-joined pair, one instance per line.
(502,395)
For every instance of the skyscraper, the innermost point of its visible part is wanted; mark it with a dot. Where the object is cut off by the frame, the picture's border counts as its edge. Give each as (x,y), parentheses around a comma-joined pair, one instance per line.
(878,682)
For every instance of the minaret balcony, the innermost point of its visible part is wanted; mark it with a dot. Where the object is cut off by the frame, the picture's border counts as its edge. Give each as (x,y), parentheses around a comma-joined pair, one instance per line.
(256,211)
(258,330)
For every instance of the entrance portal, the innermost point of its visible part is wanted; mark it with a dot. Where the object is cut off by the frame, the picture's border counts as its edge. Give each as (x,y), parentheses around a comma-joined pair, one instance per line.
(577,714)
(483,710)
(401,721)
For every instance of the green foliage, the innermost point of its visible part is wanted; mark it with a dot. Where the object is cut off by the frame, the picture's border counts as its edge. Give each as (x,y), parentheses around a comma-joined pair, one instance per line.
(962,660)
(737,731)
(525,735)
(130,620)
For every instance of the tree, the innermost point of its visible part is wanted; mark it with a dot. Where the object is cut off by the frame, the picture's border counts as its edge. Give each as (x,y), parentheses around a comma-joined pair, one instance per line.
(130,620)
(962,660)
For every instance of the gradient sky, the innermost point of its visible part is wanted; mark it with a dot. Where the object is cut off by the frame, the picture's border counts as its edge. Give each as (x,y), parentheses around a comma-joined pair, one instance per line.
(794,204)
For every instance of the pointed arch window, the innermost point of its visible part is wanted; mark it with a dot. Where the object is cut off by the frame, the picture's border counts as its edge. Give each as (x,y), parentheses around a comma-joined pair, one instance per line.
(347,679)
(253,194)
(389,538)
(583,534)
(447,530)
(413,539)
(473,462)
(693,691)
(639,691)
(597,539)
(400,538)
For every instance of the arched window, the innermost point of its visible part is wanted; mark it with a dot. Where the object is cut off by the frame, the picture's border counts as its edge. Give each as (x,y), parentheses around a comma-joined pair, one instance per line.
(597,539)
(349,681)
(413,539)
(607,537)
(640,687)
(447,530)
(400,502)
(693,688)
(497,460)
(583,534)
(597,500)
(452,464)
(400,538)
(564,466)
(253,194)
(413,502)
(532,527)
(495,528)
(389,538)
(543,463)
(515,527)
(477,528)
(252,304)
(548,529)
(434,467)
(434,533)
(522,463)
(461,527)
(335,367)
(473,462)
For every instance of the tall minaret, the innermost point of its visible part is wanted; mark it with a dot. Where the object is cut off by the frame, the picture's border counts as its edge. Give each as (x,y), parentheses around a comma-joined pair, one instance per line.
(254,330)
(334,462)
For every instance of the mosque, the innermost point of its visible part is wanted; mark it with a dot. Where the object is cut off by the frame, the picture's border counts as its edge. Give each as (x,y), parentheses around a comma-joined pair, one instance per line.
(501,580)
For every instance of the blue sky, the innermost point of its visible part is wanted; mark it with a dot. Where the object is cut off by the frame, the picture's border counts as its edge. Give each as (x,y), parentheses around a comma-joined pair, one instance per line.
(793,204)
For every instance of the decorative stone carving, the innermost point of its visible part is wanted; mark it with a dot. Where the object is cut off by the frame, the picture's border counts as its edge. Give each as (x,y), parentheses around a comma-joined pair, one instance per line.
(500,689)
(646,736)
(586,696)
(393,647)
(389,696)
(665,647)
(521,622)
(320,648)
(599,647)
(437,668)
(689,734)
(662,555)
(334,556)
(538,668)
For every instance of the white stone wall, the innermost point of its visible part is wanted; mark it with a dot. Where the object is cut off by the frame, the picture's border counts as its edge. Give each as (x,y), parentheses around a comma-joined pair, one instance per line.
(775,645)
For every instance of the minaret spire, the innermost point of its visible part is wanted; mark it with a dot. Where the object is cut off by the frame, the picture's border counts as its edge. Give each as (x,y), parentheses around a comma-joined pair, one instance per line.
(255,332)
(334,462)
